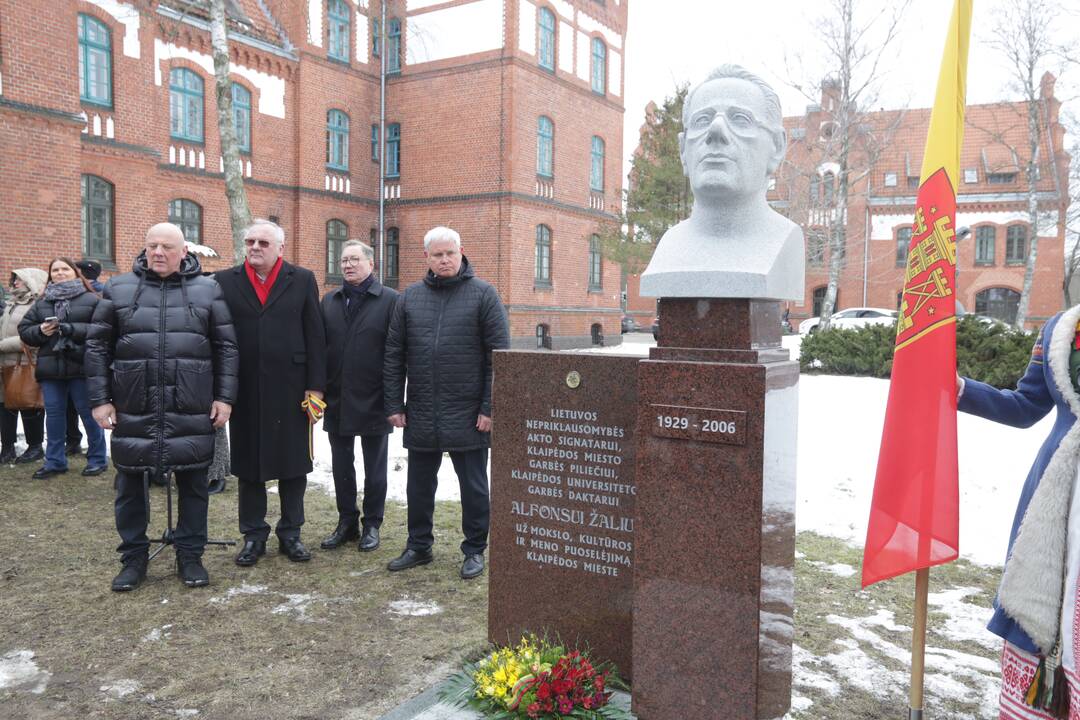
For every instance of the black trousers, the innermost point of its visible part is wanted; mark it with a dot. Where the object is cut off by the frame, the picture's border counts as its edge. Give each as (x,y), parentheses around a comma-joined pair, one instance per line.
(33,427)
(73,436)
(342,453)
(132,519)
(423,478)
(252,508)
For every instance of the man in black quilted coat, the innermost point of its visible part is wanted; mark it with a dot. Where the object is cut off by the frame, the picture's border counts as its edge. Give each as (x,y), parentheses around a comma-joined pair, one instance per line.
(441,337)
(161,372)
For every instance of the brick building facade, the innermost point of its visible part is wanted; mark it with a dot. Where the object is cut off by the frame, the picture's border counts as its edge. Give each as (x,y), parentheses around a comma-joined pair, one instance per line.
(503,121)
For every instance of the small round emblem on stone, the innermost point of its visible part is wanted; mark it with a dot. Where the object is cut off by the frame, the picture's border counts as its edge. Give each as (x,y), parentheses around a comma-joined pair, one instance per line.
(573,379)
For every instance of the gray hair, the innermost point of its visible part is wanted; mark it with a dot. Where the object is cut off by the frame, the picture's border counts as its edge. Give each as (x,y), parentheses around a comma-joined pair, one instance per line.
(365,249)
(279,234)
(440,234)
(772,100)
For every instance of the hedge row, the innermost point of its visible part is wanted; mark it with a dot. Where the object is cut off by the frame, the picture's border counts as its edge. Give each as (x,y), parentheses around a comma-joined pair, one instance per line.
(993,353)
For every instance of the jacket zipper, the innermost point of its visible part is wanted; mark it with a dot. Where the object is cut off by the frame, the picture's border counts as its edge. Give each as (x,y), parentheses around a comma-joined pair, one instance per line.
(161,381)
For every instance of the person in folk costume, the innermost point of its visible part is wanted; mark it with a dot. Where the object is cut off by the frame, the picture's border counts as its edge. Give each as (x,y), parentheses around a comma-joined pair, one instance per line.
(282,343)
(1036,610)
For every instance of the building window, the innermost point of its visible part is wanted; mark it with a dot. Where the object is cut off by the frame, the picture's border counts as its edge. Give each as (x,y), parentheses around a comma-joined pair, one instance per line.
(390,267)
(337,140)
(187,215)
(186,105)
(547,39)
(815,248)
(1016,245)
(903,245)
(971,175)
(376,38)
(815,190)
(890,179)
(819,300)
(339,16)
(374,143)
(1001,178)
(241,105)
(393,46)
(998,303)
(95,61)
(596,169)
(543,255)
(913,182)
(596,264)
(985,240)
(97,218)
(337,233)
(545,146)
(599,66)
(829,184)
(597,332)
(543,337)
(393,150)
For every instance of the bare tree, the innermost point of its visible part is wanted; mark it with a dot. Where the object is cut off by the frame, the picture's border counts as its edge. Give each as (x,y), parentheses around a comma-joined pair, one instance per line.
(239,212)
(1026,34)
(853,48)
(1072,221)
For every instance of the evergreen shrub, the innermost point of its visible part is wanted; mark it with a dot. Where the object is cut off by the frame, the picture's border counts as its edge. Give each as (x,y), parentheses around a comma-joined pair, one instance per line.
(994,353)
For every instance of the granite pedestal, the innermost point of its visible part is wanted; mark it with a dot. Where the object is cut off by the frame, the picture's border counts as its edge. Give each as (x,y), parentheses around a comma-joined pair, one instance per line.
(715,530)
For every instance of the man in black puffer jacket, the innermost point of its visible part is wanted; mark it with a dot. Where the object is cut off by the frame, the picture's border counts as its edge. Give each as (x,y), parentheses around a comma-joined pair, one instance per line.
(161,366)
(441,337)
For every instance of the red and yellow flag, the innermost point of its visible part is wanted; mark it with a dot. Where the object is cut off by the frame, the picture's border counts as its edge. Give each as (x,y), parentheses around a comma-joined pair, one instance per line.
(914,516)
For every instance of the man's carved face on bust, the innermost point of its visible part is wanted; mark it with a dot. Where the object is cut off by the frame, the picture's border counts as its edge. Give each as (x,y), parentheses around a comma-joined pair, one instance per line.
(729,144)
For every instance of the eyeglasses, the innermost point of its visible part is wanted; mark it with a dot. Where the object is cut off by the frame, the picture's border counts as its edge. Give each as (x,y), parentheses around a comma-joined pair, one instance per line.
(740,122)
(350,261)
(251,242)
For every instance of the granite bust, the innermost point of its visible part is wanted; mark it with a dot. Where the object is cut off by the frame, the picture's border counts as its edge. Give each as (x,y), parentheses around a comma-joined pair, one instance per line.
(733,245)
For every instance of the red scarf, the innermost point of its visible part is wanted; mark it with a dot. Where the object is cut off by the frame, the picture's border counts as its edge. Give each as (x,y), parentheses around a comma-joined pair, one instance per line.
(262,289)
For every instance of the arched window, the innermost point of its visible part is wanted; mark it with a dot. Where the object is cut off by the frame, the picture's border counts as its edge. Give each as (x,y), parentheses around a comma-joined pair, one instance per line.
(545,146)
(597,332)
(337,140)
(95,61)
(599,66)
(241,105)
(596,264)
(1016,245)
(337,12)
(543,255)
(819,299)
(596,169)
(97,218)
(337,233)
(187,215)
(185,105)
(985,241)
(546,44)
(903,244)
(1000,303)
(390,269)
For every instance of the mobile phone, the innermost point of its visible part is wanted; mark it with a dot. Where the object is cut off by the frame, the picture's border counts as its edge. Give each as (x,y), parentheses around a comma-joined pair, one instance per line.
(52,319)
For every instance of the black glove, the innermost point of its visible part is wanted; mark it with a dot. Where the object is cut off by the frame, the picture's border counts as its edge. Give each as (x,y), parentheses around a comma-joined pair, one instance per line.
(64,328)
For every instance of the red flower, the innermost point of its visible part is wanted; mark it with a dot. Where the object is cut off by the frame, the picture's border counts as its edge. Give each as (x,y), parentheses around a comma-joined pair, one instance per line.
(565,706)
(533,710)
(543,691)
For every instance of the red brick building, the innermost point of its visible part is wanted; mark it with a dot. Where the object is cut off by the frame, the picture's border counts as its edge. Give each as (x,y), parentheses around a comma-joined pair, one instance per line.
(503,121)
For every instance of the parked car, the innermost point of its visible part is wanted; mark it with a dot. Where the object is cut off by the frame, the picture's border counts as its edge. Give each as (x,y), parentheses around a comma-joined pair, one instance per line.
(629,324)
(851,318)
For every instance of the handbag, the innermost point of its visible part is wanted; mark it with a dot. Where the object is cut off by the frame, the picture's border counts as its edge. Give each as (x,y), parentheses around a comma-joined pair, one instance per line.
(21,389)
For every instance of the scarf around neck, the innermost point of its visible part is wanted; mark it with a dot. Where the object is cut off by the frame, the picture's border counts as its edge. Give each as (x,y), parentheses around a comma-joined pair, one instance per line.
(61,295)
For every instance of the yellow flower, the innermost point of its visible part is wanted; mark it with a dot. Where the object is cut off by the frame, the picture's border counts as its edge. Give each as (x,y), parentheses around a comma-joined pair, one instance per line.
(500,675)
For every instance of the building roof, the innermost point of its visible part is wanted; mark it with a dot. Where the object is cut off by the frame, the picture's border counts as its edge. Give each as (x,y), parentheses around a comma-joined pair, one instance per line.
(250,18)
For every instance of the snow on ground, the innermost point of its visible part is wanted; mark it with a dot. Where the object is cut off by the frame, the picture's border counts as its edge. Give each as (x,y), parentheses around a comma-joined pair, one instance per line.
(19,672)
(409,606)
(120,688)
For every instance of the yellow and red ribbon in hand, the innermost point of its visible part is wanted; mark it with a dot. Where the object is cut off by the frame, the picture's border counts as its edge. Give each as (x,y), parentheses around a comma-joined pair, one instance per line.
(315,407)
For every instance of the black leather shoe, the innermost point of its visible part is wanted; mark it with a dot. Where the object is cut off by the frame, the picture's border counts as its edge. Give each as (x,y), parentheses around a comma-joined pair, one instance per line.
(216,486)
(251,552)
(293,549)
(43,472)
(74,448)
(94,471)
(131,576)
(410,558)
(30,455)
(7,457)
(342,534)
(192,572)
(369,540)
(472,567)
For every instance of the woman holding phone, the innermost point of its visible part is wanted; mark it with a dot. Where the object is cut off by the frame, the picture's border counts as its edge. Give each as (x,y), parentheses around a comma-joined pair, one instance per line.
(57,324)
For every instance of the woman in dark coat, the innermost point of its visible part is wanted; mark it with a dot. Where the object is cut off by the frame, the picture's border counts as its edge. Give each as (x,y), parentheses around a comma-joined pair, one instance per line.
(57,324)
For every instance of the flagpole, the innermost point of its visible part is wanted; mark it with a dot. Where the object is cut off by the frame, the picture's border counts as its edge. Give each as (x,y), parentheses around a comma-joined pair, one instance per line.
(918,644)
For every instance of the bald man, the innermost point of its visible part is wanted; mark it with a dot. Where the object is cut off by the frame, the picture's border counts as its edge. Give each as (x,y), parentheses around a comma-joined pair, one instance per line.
(161,372)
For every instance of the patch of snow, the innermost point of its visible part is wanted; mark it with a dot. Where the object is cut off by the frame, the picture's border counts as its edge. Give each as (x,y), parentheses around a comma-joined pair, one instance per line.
(158,633)
(186,712)
(839,569)
(406,606)
(120,688)
(296,604)
(965,621)
(18,671)
(244,589)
